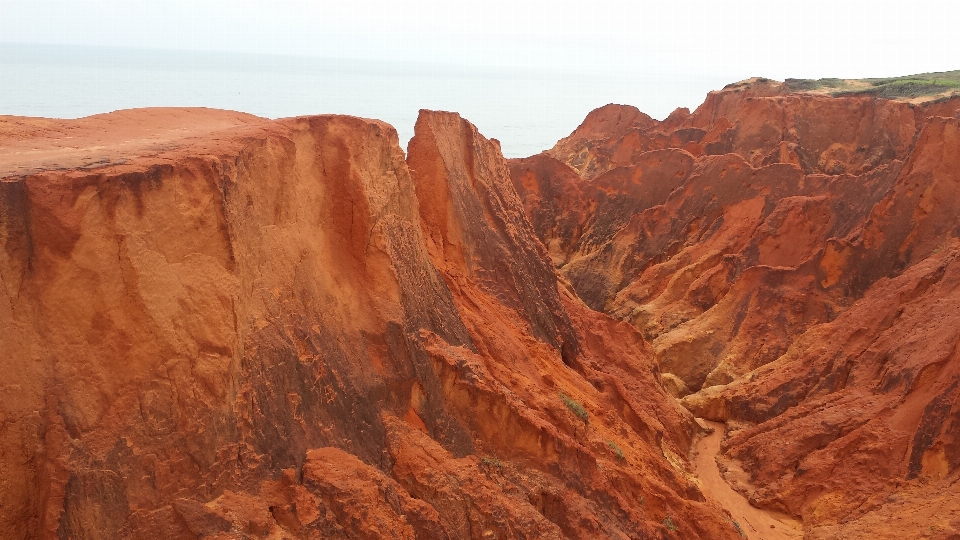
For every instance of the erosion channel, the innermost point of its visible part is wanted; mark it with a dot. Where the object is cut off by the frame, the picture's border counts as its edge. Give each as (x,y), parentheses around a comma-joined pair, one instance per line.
(752,521)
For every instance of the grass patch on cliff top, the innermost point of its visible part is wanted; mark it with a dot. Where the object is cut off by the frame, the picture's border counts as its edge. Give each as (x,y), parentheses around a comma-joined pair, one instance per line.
(907,87)
(798,85)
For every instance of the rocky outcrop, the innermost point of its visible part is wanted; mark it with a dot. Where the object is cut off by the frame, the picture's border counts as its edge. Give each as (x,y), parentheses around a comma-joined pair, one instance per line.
(867,400)
(760,120)
(221,326)
(860,413)
(723,260)
(287,329)
(791,265)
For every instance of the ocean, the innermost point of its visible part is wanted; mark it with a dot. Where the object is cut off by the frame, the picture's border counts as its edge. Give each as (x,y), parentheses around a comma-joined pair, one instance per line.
(528,110)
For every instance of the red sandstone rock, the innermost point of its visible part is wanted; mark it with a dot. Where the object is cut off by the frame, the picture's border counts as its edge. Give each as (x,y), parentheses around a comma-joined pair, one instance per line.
(665,257)
(859,409)
(610,121)
(798,285)
(279,329)
(220,326)
(764,123)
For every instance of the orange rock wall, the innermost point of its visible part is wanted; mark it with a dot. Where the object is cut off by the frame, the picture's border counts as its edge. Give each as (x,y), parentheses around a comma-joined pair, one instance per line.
(289,330)
(793,269)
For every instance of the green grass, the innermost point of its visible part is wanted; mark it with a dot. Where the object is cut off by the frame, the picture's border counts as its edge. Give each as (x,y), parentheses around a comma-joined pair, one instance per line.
(811,84)
(668,523)
(907,87)
(943,76)
(615,449)
(575,407)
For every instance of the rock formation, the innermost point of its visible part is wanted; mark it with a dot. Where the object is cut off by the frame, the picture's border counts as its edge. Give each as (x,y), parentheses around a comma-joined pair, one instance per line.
(288,329)
(790,258)
(221,326)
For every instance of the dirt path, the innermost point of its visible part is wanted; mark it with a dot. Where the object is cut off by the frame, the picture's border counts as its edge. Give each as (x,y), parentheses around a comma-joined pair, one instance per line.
(754,523)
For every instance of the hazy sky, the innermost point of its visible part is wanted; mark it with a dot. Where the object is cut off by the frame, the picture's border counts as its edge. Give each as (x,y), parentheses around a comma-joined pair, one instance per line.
(770,38)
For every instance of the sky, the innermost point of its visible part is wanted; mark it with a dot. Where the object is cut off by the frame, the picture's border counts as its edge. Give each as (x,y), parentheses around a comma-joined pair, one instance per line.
(739,39)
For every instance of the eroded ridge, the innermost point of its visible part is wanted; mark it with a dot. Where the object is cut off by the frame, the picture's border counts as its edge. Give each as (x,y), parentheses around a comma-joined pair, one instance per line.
(290,329)
(222,326)
(790,255)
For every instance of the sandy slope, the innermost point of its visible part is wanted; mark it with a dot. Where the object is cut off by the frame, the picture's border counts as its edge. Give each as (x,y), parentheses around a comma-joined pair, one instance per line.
(754,522)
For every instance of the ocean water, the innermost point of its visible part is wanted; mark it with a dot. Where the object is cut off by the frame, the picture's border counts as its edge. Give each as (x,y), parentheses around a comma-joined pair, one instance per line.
(528,110)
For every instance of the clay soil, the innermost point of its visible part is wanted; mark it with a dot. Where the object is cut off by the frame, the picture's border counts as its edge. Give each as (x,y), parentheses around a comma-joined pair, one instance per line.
(753,522)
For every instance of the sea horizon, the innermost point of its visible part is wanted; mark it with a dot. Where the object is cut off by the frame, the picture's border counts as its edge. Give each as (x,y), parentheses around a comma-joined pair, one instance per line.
(527,110)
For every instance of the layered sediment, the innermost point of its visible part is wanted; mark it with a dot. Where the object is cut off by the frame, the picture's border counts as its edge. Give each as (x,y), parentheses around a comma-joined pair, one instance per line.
(290,329)
(789,257)
(222,326)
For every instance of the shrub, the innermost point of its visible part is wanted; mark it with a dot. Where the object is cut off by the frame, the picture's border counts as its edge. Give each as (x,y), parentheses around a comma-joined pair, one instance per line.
(810,84)
(902,88)
(575,407)
(615,449)
(801,84)
(490,460)
(668,523)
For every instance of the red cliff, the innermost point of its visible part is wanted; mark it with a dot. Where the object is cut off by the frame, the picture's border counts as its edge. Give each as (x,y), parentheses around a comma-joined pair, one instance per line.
(221,326)
(789,257)
(286,329)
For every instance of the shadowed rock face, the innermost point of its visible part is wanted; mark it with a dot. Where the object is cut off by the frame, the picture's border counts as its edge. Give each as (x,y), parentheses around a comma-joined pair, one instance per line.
(860,413)
(286,329)
(791,265)
(475,226)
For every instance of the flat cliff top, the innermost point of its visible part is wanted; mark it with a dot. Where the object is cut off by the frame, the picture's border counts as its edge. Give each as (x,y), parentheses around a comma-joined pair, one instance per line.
(29,144)
(919,88)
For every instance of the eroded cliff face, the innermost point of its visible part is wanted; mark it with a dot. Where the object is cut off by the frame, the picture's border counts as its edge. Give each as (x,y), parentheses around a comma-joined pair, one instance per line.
(722,258)
(221,326)
(790,258)
(288,329)
(761,121)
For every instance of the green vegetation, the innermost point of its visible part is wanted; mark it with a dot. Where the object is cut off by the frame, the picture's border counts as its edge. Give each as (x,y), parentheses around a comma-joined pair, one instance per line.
(810,84)
(907,87)
(575,407)
(668,523)
(490,460)
(615,449)
(739,530)
(943,76)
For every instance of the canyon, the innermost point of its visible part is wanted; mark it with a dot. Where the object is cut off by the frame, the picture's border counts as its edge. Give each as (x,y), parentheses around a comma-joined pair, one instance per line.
(738,322)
